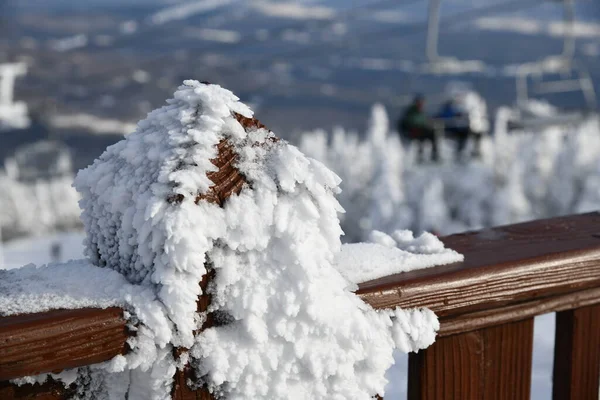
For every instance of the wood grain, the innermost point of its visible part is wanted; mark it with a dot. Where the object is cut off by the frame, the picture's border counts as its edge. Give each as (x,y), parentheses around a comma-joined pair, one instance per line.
(502,266)
(488,364)
(509,274)
(181,390)
(50,390)
(449,369)
(576,372)
(59,339)
(515,312)
(508,352)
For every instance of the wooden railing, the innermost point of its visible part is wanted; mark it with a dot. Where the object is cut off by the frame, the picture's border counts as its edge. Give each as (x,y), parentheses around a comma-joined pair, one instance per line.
(486,306)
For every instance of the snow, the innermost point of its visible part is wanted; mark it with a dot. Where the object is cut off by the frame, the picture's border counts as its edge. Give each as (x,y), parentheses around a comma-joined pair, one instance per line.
(72,285)
(521,176)
(522,25)
(531,26)
(453,66)
(389,16)
(293,10)
(392,254)
(214,35)
(128,27)
(471,104)
(69,43)
(13,115)
(37,207)
(38,250)
(91,123)
(284,281)
(187,9)
(293,324)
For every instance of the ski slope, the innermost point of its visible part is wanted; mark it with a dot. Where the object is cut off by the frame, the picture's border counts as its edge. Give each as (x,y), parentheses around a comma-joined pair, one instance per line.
(37,250)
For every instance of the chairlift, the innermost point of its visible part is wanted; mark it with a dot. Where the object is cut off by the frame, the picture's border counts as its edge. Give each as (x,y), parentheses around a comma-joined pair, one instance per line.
(446,65)
(436,63)
(572,77)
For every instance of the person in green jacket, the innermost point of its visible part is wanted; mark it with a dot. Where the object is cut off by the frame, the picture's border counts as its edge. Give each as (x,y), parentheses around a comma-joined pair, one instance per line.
(416,126)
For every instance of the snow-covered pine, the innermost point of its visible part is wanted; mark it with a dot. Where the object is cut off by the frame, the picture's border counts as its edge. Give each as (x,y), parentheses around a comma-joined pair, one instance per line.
(290,327)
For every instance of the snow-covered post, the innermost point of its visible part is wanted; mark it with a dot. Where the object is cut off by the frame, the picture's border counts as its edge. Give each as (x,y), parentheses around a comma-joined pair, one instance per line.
(202,192)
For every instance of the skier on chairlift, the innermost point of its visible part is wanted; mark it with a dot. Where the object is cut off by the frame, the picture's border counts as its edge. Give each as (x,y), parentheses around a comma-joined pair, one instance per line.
(457,125)
(415,125)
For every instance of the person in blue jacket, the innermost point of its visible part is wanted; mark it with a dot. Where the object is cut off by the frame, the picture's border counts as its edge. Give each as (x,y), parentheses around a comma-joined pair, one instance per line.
(457,126)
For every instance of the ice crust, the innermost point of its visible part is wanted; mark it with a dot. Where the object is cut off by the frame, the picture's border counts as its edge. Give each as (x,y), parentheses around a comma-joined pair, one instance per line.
(289,325)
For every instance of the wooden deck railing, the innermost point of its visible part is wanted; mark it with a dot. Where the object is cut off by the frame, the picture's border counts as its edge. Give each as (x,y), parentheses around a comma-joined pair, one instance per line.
(486,306)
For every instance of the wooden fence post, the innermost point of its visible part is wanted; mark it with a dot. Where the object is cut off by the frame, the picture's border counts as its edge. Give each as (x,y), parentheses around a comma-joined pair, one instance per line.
(487,364)
(576,372)
(181,390)
(227,180)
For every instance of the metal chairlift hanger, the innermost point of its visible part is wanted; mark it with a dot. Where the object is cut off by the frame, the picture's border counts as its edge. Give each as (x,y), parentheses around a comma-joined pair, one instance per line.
(574,75)
(443,64)
(574,78)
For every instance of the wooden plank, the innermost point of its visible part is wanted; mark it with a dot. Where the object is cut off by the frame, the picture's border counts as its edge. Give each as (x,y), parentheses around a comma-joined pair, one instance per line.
(181,390)
(55,340)
(502,266)
(488,364)
(508,353)
(50,390)
(510,272)
(577,354)
(516,312)
(449,369)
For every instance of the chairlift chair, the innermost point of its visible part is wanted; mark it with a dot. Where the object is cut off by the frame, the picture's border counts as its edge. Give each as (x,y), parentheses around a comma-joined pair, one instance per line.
(573,78)
(437,63)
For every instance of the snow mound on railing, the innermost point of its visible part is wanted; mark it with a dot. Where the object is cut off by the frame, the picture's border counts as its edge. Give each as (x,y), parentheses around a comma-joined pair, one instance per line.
(71,285)
(391,254)
(286,319)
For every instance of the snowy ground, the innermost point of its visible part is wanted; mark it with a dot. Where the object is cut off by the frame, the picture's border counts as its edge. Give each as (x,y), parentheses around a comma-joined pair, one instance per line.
(38,250)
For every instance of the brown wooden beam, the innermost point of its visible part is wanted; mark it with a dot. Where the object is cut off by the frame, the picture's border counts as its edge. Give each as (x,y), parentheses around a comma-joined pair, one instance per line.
(451,368)
(488,364)
(516,312)
(508,353)
(181,390)
(502,266)
(577,354)
(60,339)
(50,390)
(510,272)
